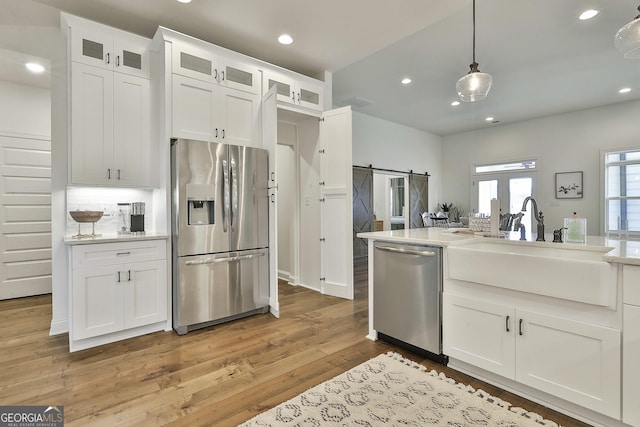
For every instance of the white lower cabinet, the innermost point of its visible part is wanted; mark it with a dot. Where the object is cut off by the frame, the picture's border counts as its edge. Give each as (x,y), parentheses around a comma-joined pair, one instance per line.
(573,360)
(117,287)
(630,344)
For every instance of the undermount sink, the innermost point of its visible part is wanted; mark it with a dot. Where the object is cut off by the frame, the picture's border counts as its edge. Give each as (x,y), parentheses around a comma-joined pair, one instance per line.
(562,271)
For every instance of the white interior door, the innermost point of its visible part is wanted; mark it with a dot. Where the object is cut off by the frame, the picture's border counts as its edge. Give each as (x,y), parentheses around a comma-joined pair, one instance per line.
(25,216)
(269,142)
(336,218)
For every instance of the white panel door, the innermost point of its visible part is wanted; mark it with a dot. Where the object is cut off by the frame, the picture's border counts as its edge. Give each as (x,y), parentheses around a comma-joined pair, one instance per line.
(132,127)
(479,333)
(97,301)
(91,125)
(25,216)
(238,119)
(575,361)
(194,108)
(145,293)
(269,143)
(336,218)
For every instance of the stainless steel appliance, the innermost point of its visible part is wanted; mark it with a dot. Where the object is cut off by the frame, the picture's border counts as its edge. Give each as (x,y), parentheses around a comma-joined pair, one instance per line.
(136,225)
(220,233)
(407,296)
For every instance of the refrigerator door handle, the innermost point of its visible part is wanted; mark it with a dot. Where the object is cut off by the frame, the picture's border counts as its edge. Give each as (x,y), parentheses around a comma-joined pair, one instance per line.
(225,195)
(228,259)
(234,191)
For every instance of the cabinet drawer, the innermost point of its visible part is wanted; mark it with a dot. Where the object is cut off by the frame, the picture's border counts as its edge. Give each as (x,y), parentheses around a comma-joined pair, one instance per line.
(631,284)
(102,254)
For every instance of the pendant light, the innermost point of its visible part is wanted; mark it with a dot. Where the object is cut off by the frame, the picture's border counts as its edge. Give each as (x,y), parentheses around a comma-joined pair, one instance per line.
(627,39)
(475,85)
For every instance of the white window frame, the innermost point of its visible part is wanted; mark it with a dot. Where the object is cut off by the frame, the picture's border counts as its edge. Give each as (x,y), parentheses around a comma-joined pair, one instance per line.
(605,197)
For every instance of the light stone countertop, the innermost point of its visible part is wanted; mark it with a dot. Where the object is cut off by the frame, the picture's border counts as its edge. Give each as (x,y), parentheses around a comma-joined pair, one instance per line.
(621,251)
(114,238)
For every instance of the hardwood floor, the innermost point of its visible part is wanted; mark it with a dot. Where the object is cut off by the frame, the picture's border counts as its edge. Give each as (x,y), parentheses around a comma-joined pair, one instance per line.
(220,376)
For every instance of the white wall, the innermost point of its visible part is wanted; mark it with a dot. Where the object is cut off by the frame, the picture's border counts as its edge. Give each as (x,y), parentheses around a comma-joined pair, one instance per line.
(561,143)
(25,110)
(388,145)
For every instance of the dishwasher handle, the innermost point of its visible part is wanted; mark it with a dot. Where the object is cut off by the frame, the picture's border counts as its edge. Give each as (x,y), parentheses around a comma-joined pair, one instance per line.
(406,251)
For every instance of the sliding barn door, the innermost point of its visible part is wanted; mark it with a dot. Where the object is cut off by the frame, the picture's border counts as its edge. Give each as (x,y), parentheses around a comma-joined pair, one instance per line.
(418,199)
(362,208)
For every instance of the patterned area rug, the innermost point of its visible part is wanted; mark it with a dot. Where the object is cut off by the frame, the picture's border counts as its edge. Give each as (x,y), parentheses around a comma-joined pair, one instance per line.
(392,390)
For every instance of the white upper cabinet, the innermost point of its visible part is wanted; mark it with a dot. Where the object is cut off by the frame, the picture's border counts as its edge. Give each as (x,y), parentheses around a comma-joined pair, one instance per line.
(110,107)
(207,111)
(295,91)
(124,53)
(110,128)
(192,61)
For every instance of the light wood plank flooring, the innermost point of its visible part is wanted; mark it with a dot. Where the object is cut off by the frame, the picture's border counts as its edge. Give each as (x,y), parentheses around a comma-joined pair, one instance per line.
(220,376)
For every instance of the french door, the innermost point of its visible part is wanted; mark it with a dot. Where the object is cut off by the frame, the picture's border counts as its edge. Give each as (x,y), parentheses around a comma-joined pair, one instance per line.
(511,188)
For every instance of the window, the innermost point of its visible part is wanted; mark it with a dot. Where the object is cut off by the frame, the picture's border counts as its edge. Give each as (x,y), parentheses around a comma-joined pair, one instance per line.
(511,182)
(622,192)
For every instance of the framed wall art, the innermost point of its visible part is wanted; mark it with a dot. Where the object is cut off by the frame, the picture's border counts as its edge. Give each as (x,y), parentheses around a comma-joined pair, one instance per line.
(569,185)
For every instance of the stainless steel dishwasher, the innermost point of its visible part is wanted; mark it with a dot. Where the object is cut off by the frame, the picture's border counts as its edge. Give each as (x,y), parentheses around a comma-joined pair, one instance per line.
(407,294)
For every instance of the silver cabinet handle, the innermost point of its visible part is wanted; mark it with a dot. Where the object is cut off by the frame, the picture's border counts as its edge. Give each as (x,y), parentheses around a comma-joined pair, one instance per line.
(118,277)
(405,251)
(123,253)
(108,58)
(507,323)
(108,173)
(220,260)
(520,327)
(117,60)
(129,276)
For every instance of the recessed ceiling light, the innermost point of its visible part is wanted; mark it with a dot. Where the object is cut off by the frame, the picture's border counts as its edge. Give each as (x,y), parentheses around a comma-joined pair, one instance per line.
(588,14)
(285,39)
(455,103)
(405,81)
(34,67)
(625,90)
(489,119)
(184,1)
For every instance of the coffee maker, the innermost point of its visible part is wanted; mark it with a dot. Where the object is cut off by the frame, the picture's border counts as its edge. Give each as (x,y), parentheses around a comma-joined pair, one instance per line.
(137,218)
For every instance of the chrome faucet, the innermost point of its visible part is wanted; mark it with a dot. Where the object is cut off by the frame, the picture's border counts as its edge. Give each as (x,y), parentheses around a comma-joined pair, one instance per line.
(537,215)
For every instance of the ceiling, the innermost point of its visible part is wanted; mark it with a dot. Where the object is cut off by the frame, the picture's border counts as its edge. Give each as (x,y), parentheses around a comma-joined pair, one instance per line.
(542,59)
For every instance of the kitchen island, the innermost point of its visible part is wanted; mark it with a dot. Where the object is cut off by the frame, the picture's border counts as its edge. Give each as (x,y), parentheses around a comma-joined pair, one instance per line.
(553,322)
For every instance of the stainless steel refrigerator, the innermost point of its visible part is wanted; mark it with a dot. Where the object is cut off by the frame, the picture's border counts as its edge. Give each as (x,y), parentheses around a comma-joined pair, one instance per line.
(219,233)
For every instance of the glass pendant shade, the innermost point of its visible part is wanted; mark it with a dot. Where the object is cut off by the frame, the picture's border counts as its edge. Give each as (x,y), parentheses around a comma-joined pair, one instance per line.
(474,86)
(627,39)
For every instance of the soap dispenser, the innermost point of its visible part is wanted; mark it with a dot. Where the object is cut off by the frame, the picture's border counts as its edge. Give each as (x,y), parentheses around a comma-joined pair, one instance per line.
(576,229)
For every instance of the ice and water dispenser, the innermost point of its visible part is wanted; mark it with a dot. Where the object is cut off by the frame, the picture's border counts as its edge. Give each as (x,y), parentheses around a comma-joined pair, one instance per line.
(200,204)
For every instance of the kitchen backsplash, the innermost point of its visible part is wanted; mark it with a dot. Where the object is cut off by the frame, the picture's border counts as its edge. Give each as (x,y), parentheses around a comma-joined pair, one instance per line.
(105,200)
